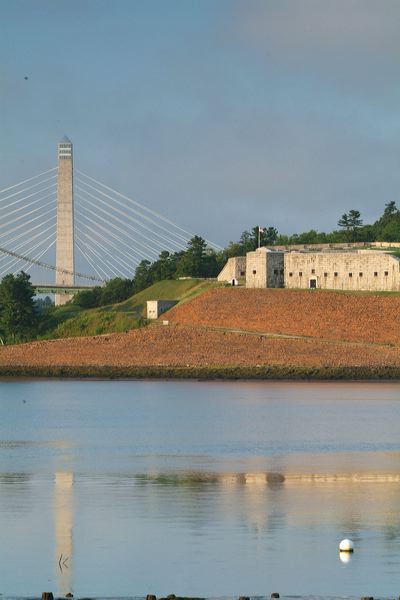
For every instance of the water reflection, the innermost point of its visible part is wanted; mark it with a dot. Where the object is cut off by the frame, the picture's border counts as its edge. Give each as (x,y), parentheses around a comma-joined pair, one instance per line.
(64,519)
(125,522)
(211,489)
(345,557)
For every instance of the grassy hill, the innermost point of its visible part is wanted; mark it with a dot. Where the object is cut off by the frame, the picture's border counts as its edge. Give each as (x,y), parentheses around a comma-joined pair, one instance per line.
(71,321)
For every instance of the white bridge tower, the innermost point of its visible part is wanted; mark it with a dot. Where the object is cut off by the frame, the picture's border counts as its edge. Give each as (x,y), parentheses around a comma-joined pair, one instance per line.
(65,220)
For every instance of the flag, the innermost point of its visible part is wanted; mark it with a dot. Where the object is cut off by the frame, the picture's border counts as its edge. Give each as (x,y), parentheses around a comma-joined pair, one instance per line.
(261,229)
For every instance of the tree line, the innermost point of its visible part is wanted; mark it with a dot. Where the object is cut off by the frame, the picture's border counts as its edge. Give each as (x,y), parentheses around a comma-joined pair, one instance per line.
(351,228)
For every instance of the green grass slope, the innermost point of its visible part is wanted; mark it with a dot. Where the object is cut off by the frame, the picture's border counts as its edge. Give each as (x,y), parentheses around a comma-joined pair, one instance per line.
(73,321)
(180,290)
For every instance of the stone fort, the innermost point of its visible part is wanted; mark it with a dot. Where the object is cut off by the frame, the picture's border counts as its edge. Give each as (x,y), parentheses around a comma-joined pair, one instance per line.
(331,268)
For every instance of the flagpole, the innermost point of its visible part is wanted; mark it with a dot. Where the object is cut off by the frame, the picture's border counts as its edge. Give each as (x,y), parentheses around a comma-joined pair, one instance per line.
(259,236)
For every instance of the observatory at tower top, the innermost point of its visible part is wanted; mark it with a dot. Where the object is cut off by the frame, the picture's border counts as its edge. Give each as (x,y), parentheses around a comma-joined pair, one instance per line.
(65,148)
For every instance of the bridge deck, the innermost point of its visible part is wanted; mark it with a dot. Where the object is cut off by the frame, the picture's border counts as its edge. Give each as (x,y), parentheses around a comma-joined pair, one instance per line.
(60,289)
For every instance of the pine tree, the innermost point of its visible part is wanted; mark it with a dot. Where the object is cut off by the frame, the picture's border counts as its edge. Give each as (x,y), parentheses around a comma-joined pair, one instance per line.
(18,317)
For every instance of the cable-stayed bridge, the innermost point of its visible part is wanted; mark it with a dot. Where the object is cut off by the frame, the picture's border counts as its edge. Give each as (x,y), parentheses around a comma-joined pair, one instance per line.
(66,223)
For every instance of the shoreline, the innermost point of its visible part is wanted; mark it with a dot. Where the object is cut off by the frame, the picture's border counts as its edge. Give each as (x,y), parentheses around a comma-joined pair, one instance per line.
(254,373)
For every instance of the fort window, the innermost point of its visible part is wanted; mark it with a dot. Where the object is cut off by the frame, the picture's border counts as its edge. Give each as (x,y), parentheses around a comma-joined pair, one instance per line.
(275,271)
(350,274)
(386,273)
(376,274)
(300,274)
(360,274)
(242,273)
(336,274)
(313,271)
(290,274)
(254,271)
(325,274)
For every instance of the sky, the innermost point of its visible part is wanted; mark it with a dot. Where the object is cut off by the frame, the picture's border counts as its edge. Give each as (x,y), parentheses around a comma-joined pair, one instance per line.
(219,114)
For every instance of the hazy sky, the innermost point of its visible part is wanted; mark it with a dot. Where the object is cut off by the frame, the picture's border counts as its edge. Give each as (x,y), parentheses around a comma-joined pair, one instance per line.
(221,114)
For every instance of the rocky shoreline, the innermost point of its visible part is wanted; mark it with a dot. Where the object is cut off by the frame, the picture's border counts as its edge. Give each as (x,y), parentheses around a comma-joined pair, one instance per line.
(271,373)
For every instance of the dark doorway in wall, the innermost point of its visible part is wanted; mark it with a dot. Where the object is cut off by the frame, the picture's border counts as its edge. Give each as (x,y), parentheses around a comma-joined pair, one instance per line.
(313,284)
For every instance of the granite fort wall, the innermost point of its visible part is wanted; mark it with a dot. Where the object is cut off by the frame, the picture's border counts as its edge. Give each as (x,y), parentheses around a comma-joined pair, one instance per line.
(235,268)
(361,270)
(264,269)
(337,246)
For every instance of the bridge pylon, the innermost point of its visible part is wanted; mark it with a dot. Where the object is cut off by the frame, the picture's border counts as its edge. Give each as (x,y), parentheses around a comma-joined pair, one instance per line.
(65,220)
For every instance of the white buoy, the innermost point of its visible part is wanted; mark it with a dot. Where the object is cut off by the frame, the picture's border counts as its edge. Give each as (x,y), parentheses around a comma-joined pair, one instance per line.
(346,546)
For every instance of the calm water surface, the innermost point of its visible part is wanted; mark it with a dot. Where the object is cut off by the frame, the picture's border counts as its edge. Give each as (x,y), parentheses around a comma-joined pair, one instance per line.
(126,488)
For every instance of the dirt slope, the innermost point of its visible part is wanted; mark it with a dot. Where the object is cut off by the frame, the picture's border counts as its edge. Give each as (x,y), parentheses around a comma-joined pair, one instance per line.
(327,315)
(189,346)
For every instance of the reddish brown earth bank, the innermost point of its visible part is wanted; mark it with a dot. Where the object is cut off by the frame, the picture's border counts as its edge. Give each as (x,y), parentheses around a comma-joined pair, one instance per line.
(340,331)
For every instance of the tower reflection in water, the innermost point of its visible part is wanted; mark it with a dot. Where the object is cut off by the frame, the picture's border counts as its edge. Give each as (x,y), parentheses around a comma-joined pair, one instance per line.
(64,517)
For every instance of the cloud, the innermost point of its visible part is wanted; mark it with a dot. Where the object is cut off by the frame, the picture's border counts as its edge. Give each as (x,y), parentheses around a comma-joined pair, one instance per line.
(348,40)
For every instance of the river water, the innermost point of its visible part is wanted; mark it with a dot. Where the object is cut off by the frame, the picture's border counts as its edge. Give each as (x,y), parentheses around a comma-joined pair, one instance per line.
(123,488)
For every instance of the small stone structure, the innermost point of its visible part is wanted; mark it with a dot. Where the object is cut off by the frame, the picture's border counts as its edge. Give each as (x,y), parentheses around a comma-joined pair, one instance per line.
(368,270)
(264,268)
(155,308)
(235,268)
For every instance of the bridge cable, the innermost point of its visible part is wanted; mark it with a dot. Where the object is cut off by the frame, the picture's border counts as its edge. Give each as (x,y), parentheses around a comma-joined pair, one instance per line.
(15,261)
(127,245)
(26,180)
(153,212)
(181,244)
(25,224)
(146,246)
(21,245)
(124,223)
(23,234)
(126,250)
(109,262)
(25,190)
(30,212)
(12,212)
(51,210)
(36,257)
(168,239)
(118,258)
(42,254)
(87,258)
(113,246)
(118,220)
(89,250)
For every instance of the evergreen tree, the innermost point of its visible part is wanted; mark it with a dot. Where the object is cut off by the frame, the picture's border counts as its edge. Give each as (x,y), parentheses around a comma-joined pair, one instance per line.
(248,241)
(142,277)
(351,223)
(193,261)
(387,228)
(116,290)
(390,210)
(164,267)
(269,236)
(88,298)
(18,317)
